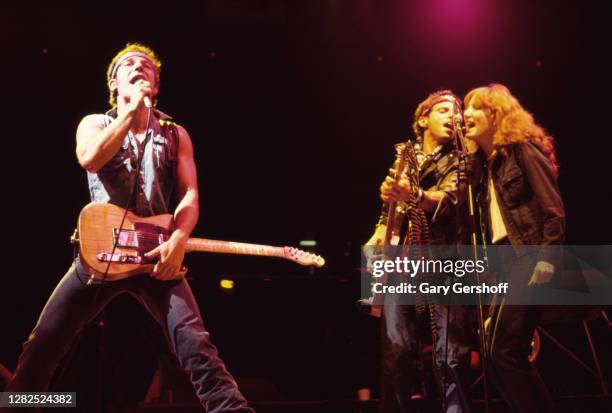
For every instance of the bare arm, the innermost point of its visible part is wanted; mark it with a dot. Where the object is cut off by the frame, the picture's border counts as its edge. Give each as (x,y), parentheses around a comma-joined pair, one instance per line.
(187,211)
(96,145)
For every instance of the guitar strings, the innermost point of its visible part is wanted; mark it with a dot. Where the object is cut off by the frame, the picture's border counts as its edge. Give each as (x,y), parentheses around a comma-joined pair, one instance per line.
(221,245)
(154,237)
(218,244)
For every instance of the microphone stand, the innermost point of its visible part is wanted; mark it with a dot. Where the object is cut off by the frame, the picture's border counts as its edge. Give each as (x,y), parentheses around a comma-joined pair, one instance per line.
(463,178)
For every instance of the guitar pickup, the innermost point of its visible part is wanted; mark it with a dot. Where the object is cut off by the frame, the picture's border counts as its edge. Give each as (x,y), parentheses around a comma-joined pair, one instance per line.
(126,238)
(119,258)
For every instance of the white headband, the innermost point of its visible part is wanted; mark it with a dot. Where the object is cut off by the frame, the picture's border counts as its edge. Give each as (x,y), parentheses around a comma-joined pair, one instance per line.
(127,56)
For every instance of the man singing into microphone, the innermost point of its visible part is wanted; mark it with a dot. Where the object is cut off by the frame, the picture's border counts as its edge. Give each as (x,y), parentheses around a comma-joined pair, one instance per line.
(442,198)
(135,158)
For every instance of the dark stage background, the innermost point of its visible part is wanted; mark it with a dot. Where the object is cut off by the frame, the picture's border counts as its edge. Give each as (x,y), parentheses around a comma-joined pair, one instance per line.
(293,108)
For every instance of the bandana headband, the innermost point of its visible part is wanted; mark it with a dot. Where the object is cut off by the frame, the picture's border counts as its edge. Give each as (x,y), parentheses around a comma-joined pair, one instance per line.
(439,99)
(124,58)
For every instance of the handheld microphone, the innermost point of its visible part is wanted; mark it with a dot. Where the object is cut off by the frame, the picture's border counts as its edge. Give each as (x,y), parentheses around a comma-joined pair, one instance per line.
(147,102)
(458,125)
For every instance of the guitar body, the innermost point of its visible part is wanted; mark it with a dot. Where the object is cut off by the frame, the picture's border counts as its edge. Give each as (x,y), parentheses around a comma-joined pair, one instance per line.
(111,254)
(97,223)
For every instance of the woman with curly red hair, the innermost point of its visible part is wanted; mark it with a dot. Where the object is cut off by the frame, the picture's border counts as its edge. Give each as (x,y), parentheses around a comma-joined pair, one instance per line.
(521,205)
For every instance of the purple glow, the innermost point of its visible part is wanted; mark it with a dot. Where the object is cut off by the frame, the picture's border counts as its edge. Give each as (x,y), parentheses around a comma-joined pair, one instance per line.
(450,30)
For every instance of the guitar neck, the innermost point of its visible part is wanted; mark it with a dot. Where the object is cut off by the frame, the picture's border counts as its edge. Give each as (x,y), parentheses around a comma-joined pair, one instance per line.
(229,247)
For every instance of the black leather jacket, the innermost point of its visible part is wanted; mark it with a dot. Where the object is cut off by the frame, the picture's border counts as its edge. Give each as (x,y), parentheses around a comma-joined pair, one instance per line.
(529,199)
(449,224)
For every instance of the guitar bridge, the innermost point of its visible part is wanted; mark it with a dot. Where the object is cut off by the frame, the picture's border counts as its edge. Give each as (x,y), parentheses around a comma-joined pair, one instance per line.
(119,258)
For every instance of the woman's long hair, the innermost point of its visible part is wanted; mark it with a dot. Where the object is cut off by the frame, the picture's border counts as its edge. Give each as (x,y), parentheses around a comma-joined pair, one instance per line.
(512,123)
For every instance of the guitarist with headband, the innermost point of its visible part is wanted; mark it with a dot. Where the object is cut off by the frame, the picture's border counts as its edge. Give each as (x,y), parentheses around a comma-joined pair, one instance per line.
(137,159)
(442,200)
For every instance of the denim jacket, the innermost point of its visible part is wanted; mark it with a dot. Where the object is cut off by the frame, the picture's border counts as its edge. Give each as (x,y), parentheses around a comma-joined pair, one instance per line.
(529,199)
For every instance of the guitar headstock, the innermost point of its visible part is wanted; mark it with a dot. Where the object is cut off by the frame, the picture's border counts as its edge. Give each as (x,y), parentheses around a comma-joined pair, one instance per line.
(303,257)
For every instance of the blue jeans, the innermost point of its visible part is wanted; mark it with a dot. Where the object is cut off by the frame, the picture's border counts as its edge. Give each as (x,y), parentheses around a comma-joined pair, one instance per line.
(401,359)
(452,354)
(73,304)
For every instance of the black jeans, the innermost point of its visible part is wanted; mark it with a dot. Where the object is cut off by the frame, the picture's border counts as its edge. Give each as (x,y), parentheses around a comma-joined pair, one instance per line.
(171,303)
(509,341)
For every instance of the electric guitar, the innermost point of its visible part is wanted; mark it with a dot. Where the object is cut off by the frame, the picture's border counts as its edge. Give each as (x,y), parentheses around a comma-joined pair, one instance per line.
(98,232)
